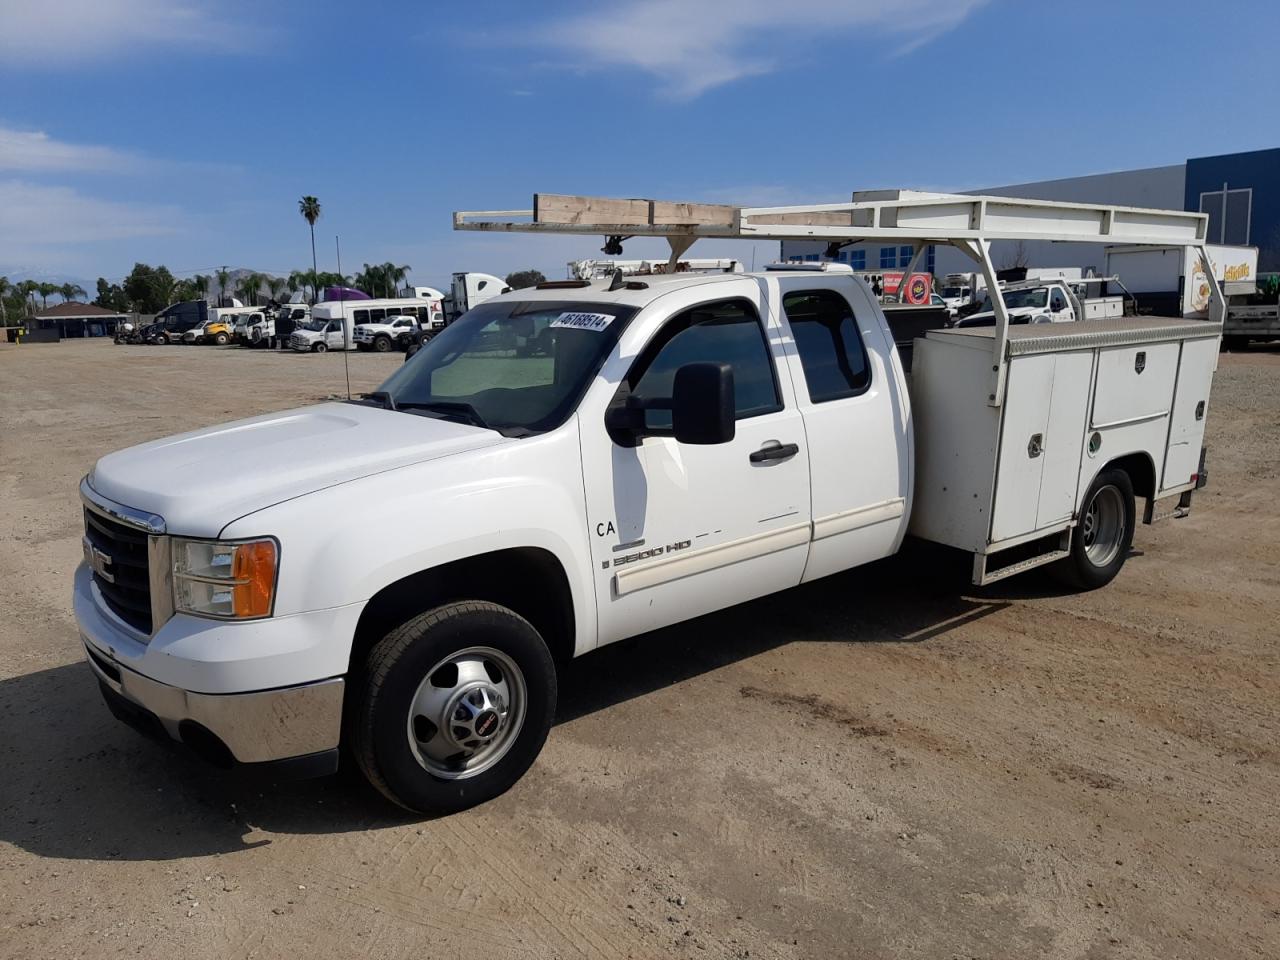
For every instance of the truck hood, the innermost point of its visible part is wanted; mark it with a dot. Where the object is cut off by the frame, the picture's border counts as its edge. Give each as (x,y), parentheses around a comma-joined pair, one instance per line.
(201,481)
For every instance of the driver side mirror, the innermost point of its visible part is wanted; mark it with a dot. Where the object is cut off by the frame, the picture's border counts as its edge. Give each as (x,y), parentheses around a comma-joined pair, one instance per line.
(702,403)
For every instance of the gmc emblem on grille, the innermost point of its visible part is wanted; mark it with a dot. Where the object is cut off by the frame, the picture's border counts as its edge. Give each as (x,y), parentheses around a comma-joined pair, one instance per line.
(97,561)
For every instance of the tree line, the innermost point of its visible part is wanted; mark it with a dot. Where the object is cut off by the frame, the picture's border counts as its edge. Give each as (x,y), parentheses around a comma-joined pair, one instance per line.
(18,298)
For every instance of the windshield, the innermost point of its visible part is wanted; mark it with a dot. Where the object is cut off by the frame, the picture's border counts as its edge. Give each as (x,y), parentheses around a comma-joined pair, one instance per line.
(1024,299)
(516,366)
(315,325)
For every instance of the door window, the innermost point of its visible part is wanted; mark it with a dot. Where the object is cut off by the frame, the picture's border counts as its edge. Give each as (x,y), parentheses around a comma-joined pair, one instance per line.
(1057,301)
(727,332)
(830,347)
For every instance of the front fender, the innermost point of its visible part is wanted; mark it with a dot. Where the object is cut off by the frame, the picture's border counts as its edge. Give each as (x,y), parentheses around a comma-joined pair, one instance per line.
(343,544)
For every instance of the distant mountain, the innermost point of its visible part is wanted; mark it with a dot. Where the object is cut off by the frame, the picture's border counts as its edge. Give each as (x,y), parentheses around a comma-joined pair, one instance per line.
(16,272)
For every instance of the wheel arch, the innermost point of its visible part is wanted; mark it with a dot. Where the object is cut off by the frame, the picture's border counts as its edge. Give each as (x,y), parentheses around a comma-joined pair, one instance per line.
(1141,469)
(530,581)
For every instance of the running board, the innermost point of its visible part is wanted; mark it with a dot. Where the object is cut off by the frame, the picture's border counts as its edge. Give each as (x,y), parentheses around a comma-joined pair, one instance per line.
(983,576)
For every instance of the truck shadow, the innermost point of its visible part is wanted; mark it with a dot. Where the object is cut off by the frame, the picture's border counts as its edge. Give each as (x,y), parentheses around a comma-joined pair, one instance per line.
(78,784)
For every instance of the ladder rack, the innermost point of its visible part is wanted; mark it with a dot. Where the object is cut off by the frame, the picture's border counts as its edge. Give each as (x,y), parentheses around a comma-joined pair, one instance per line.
(921,219)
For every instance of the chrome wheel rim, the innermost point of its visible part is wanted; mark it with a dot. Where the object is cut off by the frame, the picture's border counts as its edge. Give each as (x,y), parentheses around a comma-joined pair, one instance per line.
(467,712)
(1102,526)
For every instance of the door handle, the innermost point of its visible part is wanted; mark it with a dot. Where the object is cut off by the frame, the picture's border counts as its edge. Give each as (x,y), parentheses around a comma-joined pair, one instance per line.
(775,451)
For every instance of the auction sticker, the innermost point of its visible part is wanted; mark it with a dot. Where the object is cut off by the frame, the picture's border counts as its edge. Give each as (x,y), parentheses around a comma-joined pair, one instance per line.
(583,321)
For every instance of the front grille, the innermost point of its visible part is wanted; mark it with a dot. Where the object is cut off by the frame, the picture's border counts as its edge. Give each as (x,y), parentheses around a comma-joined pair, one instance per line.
(121,554)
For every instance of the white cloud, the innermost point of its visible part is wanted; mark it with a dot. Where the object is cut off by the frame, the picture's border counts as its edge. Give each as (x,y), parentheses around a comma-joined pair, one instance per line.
(35,150)
(37,215)
(692,47)
(59,34)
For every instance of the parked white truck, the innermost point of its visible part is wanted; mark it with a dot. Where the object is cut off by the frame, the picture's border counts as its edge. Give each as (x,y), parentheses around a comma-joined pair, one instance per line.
(570,465)
(1051,301)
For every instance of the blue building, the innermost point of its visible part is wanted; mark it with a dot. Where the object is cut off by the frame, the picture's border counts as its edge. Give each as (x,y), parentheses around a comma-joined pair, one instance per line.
(1241,194)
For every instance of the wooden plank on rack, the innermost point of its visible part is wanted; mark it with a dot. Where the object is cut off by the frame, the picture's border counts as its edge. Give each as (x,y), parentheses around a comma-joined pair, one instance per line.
(563,208)
(662,212)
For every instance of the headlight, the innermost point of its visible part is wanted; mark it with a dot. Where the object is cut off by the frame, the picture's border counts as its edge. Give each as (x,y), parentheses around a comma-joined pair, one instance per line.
(225,580)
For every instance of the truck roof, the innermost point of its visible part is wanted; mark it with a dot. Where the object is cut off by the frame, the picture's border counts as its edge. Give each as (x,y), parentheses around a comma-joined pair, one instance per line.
(635,291)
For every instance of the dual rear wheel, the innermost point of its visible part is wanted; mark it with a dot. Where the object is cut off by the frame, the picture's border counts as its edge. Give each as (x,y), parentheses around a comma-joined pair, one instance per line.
(1104,534)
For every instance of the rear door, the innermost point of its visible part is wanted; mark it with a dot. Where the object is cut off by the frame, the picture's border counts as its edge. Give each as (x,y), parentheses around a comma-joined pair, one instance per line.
(855,419)
(678,529)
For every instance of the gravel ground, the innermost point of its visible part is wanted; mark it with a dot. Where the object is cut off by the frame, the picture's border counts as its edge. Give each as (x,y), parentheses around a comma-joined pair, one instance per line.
(888,763)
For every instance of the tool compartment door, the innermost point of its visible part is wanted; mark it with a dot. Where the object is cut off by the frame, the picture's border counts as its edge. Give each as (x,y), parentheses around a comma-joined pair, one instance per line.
(1064,438)
(1135,384)
(1190,407)
(1020,465)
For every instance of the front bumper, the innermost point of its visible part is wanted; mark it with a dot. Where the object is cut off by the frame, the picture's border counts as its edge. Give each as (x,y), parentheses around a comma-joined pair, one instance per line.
(299,724)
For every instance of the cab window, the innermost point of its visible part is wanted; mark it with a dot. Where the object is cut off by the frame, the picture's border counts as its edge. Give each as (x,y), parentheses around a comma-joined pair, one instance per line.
(830,347)
(1057,301)
(728,332)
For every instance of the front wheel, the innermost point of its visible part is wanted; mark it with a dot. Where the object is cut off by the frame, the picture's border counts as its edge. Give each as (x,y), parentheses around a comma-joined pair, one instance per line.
(1104,534)
(220,339)
(381,344)
(320,347)
(454,707)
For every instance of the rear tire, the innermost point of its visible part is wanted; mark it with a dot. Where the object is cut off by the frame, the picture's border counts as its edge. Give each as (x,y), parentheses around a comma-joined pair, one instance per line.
(1102,539)
(453,707)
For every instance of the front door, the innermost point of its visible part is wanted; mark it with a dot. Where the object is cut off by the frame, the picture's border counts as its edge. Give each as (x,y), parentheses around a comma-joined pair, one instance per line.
(680,529)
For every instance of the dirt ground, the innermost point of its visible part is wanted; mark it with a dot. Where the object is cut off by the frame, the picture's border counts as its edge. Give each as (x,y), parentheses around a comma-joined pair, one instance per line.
(888,763)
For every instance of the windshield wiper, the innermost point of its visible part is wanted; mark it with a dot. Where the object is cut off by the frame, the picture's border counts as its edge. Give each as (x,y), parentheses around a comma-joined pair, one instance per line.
(449,406)
(384,399)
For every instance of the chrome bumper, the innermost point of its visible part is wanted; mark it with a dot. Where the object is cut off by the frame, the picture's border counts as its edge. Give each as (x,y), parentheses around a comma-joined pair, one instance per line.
(267,725)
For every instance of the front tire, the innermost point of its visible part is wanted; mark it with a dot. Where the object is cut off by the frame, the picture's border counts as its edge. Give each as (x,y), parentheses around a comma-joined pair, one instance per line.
(320,347)
(454,707)
(381,344)
(1103,537)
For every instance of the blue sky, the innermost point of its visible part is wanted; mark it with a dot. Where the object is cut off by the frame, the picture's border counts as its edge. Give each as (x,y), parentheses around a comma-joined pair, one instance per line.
(183,131)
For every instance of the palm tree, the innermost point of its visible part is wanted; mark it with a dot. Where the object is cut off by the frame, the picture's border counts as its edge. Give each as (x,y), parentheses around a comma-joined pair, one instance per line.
(276,285)
(201,284)
(224,277)
(395,275)
(29,289)
(5,288)
(249,287)
(309,207)
(70,291)
(46,290)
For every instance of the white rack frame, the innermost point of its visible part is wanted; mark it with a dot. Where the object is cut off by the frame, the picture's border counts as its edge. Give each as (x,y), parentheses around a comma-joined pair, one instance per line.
(969,223)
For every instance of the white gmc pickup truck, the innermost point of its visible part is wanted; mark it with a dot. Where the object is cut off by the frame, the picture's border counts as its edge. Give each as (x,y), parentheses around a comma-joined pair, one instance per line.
(400,574)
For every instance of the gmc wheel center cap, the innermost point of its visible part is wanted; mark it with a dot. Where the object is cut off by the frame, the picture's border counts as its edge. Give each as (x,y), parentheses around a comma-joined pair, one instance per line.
(486,724)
